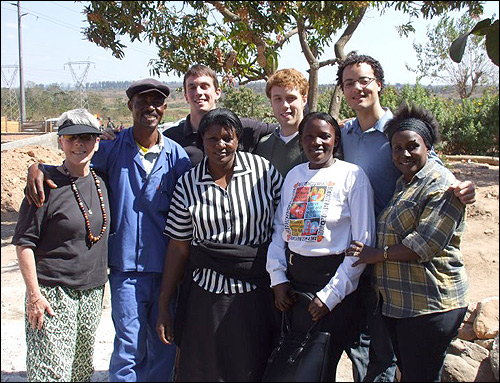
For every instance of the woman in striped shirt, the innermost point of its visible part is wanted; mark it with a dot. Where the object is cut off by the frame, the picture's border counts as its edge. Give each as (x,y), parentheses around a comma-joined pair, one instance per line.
(219,225)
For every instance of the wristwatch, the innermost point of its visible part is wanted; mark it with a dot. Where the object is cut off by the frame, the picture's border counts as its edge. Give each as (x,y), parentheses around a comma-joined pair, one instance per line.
(385,252)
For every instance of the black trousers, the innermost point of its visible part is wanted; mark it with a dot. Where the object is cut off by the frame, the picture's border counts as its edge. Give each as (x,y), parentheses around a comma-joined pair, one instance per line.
(420,343)
(311,274)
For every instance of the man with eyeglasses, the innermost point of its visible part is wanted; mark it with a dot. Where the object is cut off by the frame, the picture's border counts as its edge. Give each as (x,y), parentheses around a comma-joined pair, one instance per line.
(142,167)
(365,144)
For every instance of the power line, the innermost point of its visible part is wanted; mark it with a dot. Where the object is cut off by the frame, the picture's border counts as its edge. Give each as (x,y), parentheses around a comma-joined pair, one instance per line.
(50,19)
(62,6)
(148,51)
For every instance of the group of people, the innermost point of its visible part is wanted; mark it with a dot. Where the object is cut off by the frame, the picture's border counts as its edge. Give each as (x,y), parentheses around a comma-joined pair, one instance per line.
(215,223)
(110,125)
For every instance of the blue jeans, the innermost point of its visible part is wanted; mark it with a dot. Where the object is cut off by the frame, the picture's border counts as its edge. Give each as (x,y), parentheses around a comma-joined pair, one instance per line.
(370,350)
(382,361)
(138,354)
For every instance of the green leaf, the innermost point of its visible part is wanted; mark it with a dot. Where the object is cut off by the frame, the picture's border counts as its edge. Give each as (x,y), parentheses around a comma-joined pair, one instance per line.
(481,28)
(492,45)
(457,48)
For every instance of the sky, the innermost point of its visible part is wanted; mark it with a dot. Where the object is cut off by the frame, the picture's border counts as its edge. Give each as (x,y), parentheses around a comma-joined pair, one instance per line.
(52,39)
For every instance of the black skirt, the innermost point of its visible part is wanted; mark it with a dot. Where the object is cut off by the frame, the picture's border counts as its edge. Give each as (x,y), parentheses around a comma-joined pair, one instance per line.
(226,337)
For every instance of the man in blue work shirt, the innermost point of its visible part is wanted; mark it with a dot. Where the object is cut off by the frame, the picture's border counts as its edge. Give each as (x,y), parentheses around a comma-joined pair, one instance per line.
(141,167)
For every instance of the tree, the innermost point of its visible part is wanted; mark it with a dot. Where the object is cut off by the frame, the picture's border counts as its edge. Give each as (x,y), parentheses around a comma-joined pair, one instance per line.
(242,40)
(247,103)
(434,61)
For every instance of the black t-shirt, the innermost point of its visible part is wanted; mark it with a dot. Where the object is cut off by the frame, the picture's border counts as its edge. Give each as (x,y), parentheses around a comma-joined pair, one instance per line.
(57,233)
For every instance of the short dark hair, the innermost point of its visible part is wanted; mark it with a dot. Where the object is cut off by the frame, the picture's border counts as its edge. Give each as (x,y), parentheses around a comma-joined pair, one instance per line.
(337,150)
(353,59)
(406,112)
(198,70)
(222,117)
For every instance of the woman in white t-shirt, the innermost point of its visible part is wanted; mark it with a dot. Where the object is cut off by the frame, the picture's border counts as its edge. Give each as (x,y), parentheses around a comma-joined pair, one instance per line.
(336,199)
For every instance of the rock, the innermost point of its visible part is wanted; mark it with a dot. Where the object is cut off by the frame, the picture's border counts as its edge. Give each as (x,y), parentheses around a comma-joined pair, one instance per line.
(484,372)
(486,322)
(467,362)
(466,331)
(468,350)
(494,358)
(486,343)
(470,315)
(457,369)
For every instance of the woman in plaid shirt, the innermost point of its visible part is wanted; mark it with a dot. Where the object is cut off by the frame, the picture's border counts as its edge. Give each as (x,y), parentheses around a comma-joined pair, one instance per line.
(419,269)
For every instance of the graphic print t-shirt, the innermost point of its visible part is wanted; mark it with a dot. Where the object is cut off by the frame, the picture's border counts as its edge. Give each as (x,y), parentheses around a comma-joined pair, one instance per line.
(307,211)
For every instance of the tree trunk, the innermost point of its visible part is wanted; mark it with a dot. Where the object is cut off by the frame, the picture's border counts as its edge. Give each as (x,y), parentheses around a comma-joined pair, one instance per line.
(312,60)
(339,46)
(312,100)
(335,102)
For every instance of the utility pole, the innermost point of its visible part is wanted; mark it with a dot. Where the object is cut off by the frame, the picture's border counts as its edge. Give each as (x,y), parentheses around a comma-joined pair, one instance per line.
(21,79)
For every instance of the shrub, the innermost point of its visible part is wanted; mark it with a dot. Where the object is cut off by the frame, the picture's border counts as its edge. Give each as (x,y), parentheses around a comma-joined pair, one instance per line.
(468,126)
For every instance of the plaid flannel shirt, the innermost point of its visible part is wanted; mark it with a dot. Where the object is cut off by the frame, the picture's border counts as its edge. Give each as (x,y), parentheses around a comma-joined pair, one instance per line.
(427,218)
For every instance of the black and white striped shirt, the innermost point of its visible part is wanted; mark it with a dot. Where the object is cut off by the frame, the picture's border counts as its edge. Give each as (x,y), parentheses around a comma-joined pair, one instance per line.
(242,214)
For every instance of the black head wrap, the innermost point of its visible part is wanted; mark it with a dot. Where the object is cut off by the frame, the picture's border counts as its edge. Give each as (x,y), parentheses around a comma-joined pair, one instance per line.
(420,127)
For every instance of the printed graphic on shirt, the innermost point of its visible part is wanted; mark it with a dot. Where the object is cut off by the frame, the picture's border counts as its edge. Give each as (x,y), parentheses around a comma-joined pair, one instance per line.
(306,214)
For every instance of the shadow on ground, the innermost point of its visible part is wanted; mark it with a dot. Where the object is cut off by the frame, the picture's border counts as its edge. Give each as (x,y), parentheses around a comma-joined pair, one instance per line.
(20,376)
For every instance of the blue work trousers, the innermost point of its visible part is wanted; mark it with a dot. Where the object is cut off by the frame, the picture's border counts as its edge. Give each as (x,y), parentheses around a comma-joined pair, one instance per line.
(138,354)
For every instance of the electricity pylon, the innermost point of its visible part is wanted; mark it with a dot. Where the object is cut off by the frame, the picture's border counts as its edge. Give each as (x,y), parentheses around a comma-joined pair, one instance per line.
(81,98)
(12,104)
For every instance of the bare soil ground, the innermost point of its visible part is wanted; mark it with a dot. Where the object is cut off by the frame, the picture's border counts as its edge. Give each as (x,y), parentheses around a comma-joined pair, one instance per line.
(480,247)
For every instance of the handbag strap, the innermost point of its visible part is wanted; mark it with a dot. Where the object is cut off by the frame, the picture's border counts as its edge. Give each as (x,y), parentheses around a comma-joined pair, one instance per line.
(293,356)
(285,320)
(285,328)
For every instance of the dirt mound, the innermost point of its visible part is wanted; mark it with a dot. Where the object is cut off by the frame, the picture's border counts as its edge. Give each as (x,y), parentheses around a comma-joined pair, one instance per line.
(15,163)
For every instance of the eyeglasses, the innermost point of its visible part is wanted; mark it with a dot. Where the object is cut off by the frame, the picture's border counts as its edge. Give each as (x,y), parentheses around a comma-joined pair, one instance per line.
(363,81)
(82,137)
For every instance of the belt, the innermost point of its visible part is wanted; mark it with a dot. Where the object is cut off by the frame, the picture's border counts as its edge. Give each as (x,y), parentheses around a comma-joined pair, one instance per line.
(291,255)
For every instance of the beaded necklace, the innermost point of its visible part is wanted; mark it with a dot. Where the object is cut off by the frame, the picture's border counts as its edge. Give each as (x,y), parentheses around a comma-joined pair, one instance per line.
(92,238)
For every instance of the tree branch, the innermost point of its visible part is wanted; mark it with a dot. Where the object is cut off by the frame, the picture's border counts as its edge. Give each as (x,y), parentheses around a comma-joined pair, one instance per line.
(328,62)
(346,36)
(286,37)
(311,59)
(226,12)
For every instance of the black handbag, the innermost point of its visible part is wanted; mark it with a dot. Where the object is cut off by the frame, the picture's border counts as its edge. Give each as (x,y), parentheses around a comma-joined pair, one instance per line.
(301,356)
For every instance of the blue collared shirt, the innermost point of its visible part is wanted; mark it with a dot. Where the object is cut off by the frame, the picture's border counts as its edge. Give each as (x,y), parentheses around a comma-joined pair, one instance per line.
(371,151)
(139,202)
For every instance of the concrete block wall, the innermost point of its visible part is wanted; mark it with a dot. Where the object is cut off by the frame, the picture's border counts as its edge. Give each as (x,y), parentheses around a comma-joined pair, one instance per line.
(48,140)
